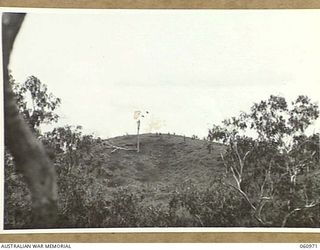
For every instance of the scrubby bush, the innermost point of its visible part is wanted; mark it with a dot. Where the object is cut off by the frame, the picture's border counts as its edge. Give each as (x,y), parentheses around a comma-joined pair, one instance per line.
(17,199)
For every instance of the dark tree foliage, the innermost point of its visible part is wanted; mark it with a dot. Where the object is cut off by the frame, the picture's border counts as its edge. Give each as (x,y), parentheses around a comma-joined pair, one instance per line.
(272,163)
(69,145)
(34,102)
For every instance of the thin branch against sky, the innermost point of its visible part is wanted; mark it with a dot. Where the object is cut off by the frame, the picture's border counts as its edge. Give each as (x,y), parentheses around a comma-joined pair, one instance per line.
(190,69)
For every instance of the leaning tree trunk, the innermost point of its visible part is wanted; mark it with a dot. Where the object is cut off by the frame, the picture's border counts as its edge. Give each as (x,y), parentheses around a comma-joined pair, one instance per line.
(28,153)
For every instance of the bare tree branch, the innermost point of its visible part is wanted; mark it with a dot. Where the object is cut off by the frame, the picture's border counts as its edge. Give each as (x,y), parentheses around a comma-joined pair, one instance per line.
(285,219)
(237,176)
(115,148)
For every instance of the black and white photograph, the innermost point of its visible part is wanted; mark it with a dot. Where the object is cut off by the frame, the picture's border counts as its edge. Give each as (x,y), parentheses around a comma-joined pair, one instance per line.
(136,119)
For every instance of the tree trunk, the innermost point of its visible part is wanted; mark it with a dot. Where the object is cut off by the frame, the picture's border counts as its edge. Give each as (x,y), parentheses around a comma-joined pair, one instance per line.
(28,153)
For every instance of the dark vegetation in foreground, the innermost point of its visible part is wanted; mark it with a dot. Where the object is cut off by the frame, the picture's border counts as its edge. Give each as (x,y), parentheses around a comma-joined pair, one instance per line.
(230,179)
(173,181)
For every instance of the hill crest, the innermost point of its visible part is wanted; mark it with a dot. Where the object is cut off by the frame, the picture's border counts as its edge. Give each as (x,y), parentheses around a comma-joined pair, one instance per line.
(164,164)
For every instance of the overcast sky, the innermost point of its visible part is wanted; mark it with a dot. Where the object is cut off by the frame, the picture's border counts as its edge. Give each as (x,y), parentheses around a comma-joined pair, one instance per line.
(188,68)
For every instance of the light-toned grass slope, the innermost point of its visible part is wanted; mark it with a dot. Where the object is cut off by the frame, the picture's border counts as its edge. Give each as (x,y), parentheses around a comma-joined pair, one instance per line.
(165,164)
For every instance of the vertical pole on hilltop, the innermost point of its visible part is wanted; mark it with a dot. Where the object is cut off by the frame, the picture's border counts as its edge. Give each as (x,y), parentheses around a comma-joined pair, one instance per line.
(137,115)
(138,136)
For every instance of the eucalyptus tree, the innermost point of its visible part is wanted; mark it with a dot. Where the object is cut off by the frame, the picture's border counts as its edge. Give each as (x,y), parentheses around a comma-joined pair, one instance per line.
(272,162)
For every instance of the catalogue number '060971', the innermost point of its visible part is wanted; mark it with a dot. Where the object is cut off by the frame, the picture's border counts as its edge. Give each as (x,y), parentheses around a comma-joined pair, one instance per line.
(307,246)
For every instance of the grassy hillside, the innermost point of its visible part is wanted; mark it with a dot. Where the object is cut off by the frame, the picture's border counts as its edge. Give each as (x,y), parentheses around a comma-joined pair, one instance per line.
(110,184)
(165,164)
